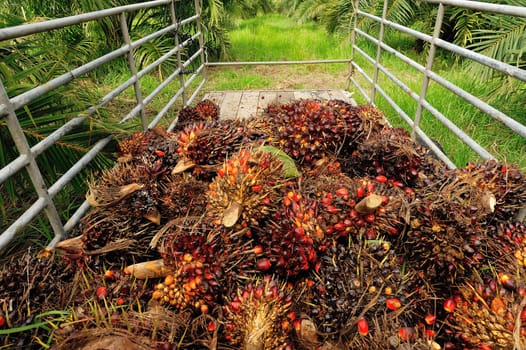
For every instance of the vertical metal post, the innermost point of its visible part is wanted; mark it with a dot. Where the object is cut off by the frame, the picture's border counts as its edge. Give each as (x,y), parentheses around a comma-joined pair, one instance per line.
(429,66)
(133,70)
(17,133)
(379,51)
(178,54)
(354,25)
(198,7)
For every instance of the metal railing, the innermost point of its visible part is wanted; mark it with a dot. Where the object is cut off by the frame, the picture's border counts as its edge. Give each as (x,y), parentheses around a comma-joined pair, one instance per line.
(428,75)
(28,155)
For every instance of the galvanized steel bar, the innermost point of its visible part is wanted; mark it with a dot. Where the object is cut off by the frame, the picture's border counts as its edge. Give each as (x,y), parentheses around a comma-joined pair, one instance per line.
(167,107)
(150,97)
(475,101)
(150,37)
(23,220)
(179,58)
(174,98)
(28,96)
(444,120)
(358,86)
(472,55)
(429,66)
(76,217)
(484,6)
(33,28)
(197,4)
(142,73)
(177,72)
(197,90)
(133,70)
(78,166)
(12,168)
(379,51)
(356,5)
(270,63)
(17,133)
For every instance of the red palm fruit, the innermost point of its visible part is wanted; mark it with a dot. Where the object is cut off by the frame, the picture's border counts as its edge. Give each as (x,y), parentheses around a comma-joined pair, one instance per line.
(363,327)
(263,264)
(381,178)
(109,275)
(102,292)
(406,333)
(430,319)
(393,304)
(342,192)
(449,305)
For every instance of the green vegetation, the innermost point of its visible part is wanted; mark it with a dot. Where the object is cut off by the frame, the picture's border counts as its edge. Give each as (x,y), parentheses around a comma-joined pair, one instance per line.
(273,37)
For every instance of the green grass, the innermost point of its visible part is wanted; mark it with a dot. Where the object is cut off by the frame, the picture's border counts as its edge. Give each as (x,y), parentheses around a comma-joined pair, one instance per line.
(272,37)
(276,38)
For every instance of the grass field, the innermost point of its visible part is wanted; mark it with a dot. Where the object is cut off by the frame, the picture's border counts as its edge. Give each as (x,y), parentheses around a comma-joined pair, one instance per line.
(272,38)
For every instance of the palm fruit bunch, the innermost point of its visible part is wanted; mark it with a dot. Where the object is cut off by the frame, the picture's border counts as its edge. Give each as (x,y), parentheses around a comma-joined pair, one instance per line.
(309,130)
(388,333)
(103,234)
(489,312)
(204,111)
(291,238)
(129,190)
(204,147)
(391,152)
(354,284)
(256,314)
(505,181)
(182,196)
(194,256)
(155,147)
(360,206)
(31,286)
(125,214)
(155,328)
(447,232)
(246,188)
(509,239)
(372,119)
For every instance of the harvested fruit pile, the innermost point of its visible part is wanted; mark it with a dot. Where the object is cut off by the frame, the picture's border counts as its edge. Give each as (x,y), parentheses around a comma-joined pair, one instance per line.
(315,226)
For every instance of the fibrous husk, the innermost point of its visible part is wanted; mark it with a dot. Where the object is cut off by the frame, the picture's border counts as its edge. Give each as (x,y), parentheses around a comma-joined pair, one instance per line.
(245,189)
(256,314)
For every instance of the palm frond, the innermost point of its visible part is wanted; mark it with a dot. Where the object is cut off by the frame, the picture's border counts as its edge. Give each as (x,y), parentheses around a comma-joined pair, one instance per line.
(502,38)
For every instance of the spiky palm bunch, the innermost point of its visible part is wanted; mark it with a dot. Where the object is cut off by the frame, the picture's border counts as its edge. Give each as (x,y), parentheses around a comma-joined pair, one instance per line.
(129,189)
(193,251)
(353,285)
(392,152)
(204,111)
(447,232)
(24,278)
(505,181)
(290,238)
(508,239)
(203,147)
(182,196)
(256,314)
(360,206)
(308,130)
(156,146)
(489,312)
(246,188)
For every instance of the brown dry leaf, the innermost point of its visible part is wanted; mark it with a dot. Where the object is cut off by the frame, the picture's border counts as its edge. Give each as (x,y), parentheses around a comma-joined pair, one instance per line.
(231,214)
